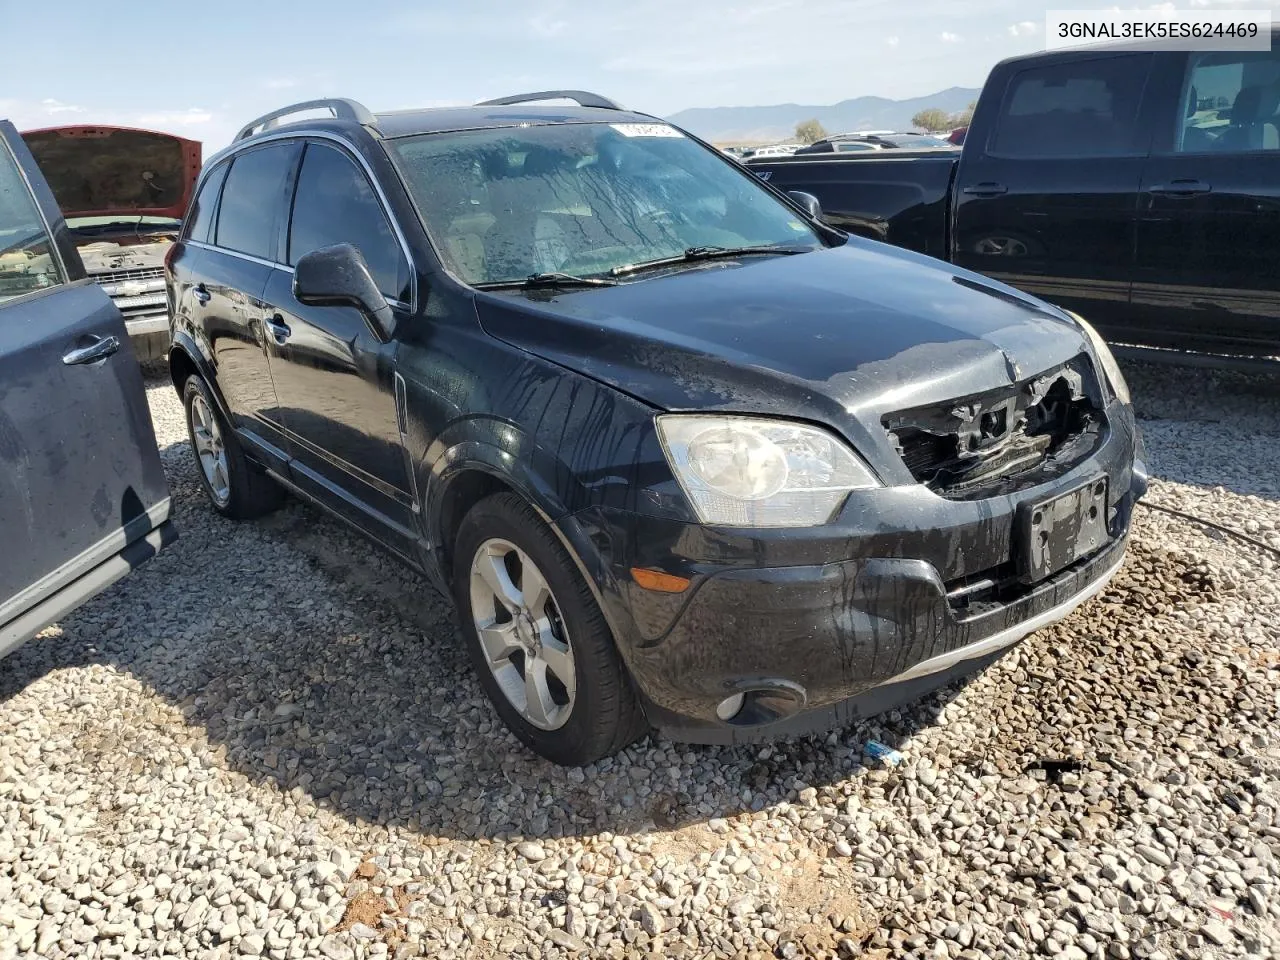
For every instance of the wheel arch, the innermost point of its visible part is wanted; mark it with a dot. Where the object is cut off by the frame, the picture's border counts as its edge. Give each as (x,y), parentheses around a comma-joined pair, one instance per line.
(465,474)
(186,358)
(476,471)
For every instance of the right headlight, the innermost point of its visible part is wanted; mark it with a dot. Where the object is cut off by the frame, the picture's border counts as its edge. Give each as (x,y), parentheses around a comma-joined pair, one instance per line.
(1105,357)
(755,472)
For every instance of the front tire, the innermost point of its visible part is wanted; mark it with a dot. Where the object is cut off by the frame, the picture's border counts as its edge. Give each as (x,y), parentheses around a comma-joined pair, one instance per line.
(541,647)
(236,488)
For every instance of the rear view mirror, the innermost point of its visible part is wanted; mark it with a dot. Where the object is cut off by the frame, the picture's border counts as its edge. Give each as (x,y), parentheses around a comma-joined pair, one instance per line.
(338,276)
(808,201)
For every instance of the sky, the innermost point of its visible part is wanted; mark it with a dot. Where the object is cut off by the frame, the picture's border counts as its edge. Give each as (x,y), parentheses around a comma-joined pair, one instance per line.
(164,66)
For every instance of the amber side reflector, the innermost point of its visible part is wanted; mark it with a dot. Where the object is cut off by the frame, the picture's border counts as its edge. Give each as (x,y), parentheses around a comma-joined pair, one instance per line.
(657,580)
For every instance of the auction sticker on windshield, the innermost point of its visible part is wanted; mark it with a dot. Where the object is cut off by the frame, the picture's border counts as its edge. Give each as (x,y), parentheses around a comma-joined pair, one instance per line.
(646,130)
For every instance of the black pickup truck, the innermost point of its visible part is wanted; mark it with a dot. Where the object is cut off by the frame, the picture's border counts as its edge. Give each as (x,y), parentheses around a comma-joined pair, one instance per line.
(1138,188)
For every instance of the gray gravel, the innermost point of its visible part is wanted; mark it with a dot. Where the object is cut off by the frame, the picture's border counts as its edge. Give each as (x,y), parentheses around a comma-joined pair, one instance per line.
(257,746)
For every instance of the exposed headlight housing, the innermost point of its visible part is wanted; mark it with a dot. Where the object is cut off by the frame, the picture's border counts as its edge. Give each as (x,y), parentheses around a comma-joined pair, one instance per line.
(753,472)
(1105,357)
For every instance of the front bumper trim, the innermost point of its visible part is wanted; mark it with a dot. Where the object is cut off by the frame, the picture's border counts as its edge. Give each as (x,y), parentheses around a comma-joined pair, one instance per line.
(1005,638)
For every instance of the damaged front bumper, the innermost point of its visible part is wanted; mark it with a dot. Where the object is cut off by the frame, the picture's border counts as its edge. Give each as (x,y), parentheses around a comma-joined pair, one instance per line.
(784,632)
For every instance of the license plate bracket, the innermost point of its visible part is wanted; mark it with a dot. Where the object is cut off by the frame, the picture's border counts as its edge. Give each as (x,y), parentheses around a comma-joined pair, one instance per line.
(1058,531)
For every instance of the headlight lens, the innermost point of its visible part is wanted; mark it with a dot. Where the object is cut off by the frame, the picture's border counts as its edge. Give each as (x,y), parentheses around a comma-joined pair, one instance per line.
(1105,357)
(752,472)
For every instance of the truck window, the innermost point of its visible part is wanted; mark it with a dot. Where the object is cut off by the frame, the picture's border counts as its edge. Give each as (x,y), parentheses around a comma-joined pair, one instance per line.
(1231,103)
(1076,108)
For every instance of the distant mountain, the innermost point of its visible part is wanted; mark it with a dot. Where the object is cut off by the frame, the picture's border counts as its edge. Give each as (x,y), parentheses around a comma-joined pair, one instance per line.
(779,122)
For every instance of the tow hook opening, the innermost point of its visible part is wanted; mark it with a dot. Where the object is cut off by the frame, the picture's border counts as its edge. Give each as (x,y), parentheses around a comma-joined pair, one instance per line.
(761,702)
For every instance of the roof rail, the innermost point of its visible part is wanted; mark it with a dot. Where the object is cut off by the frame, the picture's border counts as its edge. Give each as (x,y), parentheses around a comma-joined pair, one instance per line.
(341,108)
(582,97)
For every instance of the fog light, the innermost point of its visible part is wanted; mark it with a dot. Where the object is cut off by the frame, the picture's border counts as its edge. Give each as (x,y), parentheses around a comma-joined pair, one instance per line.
(730,706)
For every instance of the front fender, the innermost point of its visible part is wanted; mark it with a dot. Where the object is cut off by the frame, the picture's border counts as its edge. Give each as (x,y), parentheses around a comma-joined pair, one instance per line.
(472,456)
(485,456)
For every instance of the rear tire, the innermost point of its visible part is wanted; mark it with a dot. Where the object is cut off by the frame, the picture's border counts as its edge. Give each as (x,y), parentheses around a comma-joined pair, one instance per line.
(235,487)
(579,705)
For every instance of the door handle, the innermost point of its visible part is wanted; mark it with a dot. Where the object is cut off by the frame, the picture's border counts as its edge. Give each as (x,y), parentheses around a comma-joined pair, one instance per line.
(278,329)
(1180,188)
(985,189)
(201,294)
(100,349)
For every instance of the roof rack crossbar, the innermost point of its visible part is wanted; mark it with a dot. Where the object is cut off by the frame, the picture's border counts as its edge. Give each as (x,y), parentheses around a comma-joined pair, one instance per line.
(341,108)
(583,98)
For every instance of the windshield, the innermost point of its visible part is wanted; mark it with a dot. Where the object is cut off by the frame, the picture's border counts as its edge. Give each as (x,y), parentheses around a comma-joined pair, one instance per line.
(503,204)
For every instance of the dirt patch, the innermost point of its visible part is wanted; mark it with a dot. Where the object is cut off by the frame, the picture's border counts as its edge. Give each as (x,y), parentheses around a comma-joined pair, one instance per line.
(366,907)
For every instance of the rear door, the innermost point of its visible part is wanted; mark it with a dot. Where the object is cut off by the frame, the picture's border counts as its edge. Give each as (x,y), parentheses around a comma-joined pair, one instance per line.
(83,498)
(1046,194)
(1206,275)
(231,274)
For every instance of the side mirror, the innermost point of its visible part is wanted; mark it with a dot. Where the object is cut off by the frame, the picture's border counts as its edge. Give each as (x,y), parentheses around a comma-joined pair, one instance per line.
(808,201)
(338,276)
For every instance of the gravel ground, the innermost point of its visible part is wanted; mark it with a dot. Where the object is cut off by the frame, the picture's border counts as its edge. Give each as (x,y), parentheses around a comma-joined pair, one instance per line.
(267,742)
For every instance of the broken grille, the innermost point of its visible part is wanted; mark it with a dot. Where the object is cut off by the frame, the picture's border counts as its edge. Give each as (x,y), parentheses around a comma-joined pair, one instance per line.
(1002,440)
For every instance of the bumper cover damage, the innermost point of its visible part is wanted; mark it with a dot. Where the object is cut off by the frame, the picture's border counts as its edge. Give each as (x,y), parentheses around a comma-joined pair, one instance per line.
(797,631)
(854,639)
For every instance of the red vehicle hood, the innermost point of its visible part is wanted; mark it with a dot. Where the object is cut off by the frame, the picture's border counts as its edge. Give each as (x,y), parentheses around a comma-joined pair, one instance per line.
(116,171)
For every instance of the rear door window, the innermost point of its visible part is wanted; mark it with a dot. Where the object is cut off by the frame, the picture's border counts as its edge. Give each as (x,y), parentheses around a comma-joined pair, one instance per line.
(200,216)
(1231,103)
(252,198)
(1075,108)
(335,203)
(27,259)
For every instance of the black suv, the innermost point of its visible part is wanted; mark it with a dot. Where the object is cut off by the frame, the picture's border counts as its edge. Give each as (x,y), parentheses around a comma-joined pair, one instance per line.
(684,456)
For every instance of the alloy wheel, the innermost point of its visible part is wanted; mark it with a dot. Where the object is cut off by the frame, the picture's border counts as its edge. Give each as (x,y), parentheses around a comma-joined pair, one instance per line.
(210,450)
(522,634)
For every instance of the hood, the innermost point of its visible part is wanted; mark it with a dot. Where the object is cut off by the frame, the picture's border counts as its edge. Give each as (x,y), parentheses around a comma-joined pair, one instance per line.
(840,336)
(116,171)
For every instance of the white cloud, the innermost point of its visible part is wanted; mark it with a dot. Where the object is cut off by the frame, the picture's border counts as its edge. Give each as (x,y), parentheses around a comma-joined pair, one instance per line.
(192,116)
(949,37)
(52,106)
(546,26)
(893,41)
(1023,29)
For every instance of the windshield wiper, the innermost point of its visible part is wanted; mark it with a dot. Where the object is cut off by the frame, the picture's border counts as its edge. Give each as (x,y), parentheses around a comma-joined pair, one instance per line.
(116,225)
(535,280)
(705,253)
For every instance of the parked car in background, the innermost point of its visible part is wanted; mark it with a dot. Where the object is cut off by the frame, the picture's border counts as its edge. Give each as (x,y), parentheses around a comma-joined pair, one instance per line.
(772,150)
(122,192)
(956,136)
(83,498)
(1138,187)
(856,142)
(684,456)
(842,144)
